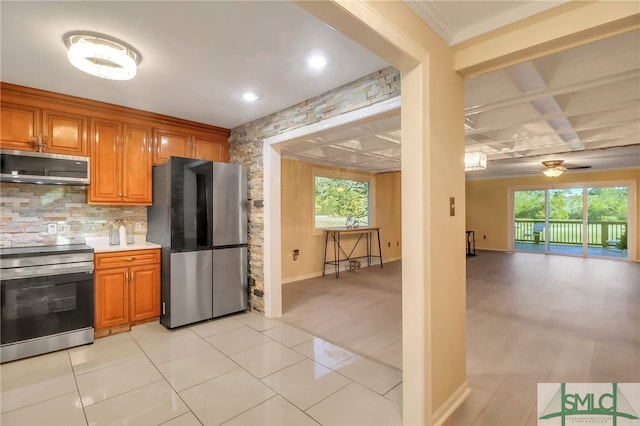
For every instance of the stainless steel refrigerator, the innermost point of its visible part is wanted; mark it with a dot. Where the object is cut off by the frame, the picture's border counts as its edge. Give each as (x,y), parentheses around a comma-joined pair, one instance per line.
(199,217)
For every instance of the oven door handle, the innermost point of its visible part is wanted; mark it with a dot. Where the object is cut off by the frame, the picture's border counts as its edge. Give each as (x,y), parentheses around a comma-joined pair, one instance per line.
(47,270)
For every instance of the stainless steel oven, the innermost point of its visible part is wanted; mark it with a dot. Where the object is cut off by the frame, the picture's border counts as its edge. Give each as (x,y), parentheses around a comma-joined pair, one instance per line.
(47,299)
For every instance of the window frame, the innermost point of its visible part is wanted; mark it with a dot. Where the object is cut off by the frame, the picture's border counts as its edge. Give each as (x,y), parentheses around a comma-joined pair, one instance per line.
(369,178)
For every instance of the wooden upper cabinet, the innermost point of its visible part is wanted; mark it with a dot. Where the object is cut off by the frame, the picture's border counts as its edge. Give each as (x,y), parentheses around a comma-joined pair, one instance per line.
(120,164)
(211,149)
(189,143)
(121,154)
(20,124)
(105,184)
(58,132)
(171,143)
(136,160)
(65,133)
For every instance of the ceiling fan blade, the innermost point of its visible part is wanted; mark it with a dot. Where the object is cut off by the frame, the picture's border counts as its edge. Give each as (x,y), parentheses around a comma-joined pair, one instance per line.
(577,167)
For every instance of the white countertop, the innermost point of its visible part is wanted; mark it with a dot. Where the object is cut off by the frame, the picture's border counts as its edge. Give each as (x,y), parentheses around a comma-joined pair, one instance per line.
(101,244)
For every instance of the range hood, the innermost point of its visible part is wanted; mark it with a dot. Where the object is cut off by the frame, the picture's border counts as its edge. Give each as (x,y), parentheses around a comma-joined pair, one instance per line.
(43,168)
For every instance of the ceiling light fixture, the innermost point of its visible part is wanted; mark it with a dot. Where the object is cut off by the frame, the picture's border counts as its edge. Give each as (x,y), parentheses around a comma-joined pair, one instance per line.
(553,168)
(102,56)
(475,161)
(553,171)
(250,97)
(317,61)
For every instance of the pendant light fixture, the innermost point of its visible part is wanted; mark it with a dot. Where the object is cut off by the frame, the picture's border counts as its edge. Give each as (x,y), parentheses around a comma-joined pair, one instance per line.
(475,161)
(101,55)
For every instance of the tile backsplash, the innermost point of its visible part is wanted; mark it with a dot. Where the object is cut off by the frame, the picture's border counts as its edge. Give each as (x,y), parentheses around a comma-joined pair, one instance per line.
(26,210)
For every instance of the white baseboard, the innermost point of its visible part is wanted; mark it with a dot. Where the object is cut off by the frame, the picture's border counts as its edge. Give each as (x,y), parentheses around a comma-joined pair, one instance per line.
(449,406)
(344,266)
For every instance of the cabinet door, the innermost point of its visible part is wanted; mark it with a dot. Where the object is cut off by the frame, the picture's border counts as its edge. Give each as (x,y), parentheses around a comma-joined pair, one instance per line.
(19,125)
(112,297)
(65,133)
(212,150)
(170,143)
(105,184)
(136,160)
(144,293)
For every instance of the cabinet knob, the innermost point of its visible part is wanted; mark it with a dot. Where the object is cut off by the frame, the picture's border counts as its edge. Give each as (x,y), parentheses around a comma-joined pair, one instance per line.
(120,194)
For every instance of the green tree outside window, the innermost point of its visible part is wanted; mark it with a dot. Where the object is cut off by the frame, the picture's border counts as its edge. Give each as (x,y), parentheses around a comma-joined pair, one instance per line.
(339,199)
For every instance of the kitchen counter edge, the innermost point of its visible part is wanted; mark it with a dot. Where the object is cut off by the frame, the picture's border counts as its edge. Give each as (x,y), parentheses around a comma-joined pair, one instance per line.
(102,248)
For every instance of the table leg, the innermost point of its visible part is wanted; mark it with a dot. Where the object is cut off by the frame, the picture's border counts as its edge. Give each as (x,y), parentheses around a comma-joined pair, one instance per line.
(379,248)
(324,262)
(336,254)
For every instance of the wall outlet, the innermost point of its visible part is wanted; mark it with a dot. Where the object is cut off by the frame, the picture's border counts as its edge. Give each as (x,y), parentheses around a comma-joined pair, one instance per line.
(484,237)
(138,227)
(52,228)
(389,244)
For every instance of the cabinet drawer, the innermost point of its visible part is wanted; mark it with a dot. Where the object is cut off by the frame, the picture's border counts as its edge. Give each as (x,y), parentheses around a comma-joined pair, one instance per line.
(126,258)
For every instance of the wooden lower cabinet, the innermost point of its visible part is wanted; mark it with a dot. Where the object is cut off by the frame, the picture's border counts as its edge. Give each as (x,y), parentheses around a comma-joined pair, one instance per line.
(127,289)
(144,293)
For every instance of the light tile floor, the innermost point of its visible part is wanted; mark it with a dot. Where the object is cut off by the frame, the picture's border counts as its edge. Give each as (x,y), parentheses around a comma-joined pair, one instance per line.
(239,370)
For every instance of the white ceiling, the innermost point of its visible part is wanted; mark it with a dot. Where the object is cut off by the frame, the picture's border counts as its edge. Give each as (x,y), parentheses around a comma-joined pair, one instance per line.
(199,57)
(457,21)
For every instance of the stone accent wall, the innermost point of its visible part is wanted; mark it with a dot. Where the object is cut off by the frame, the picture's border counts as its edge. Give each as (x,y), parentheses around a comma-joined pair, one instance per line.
(246,148)
(27,209)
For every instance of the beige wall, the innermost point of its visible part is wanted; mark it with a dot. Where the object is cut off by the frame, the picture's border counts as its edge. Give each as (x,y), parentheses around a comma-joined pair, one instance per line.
(388,214)
(433,267)
(488,211)
(297,217)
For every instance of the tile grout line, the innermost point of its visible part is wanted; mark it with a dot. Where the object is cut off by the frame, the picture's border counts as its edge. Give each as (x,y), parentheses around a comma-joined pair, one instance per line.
(75,380)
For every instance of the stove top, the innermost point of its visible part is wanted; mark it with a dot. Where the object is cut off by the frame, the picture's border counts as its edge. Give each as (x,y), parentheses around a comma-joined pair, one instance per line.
(44,250)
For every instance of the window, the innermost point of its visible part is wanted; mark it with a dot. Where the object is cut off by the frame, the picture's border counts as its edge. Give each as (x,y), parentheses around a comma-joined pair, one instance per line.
(574,219)
(338,199)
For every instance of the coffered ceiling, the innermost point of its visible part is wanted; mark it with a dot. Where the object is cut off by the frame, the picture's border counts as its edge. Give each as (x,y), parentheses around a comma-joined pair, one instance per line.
(579,105)
(199,57)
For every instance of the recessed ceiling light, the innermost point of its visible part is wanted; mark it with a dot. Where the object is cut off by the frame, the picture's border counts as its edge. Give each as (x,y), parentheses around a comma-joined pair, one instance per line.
(317,61)
(250,97)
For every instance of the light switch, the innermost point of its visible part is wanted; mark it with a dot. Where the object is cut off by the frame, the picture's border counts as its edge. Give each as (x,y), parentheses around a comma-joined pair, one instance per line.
(52,228)
(452,206)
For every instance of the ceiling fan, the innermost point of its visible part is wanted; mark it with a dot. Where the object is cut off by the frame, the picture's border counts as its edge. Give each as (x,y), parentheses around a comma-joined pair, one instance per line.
(554,168)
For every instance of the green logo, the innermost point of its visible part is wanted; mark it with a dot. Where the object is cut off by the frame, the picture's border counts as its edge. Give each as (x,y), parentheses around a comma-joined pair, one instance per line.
(582,406)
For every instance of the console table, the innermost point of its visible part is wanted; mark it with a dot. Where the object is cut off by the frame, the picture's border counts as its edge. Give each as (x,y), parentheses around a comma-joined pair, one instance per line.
(340,253)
